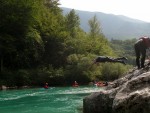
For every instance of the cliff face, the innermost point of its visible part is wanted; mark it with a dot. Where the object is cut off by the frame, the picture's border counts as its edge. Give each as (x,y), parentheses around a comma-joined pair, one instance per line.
(130,94)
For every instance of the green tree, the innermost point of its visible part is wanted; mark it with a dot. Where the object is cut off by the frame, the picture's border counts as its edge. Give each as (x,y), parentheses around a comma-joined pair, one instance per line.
(95,28)
(72,23)
(124,48)
(17,29)
(53,34)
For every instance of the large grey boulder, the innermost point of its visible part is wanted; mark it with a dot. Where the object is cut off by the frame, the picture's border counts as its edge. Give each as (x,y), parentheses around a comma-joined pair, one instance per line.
(99,102)
(129,94)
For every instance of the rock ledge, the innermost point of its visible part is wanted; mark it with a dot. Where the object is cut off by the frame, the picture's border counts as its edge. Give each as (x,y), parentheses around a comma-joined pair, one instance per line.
(130,94)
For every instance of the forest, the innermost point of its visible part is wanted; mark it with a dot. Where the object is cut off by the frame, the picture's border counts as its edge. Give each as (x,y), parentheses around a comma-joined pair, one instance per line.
(39,44)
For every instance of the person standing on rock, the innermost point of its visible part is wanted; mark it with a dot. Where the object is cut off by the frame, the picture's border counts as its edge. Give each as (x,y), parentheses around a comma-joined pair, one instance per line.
(140,50)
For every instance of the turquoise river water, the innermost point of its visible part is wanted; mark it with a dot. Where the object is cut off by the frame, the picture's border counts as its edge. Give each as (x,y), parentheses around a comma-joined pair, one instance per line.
(39,100)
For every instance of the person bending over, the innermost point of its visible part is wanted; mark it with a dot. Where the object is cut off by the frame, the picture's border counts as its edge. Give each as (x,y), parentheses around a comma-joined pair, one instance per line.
(140,50)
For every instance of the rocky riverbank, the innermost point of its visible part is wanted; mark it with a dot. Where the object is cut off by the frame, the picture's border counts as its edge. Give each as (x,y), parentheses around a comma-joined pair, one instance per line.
(129,94)
(3,87)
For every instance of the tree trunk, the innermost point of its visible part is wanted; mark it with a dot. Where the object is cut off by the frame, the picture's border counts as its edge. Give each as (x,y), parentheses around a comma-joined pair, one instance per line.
(1,64)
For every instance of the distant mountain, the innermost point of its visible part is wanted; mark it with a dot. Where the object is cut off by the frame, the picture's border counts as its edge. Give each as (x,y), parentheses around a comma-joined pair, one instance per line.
(114,26)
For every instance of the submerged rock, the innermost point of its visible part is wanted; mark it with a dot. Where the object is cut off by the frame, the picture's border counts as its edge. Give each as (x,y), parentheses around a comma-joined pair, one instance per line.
(130,94)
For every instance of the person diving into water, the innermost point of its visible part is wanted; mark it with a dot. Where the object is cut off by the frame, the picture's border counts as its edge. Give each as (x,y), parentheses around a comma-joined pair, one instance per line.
(103,59)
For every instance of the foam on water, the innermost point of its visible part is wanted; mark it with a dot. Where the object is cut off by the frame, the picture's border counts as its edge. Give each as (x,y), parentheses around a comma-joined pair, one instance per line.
(52,100)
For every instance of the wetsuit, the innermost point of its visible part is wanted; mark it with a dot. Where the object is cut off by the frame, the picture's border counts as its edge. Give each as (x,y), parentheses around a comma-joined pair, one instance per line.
(109,59)
(102,59)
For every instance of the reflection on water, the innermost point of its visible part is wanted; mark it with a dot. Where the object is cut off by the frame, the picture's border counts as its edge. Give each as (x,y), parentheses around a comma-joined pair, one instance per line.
(40,100)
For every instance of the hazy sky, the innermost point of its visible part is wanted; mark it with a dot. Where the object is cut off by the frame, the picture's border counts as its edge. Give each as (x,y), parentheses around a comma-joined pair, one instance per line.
(138,9)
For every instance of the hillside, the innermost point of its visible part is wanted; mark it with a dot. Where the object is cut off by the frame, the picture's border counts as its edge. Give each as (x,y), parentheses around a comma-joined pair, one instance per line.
(114,26)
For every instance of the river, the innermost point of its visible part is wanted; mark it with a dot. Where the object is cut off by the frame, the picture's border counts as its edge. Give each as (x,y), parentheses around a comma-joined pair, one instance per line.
(40,100)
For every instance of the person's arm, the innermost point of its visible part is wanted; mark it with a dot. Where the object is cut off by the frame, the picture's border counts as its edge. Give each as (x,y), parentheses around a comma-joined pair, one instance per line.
(148,54)
(148,43)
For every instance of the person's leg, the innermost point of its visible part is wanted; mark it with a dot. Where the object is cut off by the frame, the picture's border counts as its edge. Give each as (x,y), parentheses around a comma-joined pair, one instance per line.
(109,59)
(137,53)
(121,58)
(143,57)
(120,61)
